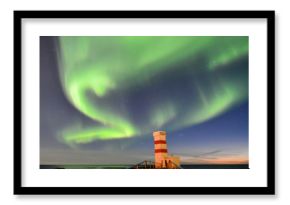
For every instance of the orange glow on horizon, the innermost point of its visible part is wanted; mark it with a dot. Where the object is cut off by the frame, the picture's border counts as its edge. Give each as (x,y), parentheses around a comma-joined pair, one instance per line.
(219,160)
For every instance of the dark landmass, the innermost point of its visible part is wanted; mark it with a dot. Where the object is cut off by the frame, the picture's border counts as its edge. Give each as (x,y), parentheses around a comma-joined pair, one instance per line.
(117,166)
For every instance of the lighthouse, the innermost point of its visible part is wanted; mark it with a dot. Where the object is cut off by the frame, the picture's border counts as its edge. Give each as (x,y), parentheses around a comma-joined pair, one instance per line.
(160,148)
(162,159)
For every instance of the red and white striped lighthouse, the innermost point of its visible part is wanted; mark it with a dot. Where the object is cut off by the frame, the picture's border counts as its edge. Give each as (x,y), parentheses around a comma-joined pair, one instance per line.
(160,148)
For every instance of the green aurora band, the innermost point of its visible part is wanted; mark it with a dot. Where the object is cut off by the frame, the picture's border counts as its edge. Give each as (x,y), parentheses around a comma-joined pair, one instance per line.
(97,72)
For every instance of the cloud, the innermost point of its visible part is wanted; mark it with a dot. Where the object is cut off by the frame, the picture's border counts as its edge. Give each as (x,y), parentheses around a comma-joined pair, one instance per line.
(208,154)
(214,157)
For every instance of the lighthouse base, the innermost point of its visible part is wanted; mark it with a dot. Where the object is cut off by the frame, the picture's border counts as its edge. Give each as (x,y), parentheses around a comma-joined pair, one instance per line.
(168,162)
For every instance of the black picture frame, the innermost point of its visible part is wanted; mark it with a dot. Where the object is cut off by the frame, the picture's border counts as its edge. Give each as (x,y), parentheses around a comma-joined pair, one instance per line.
(268,190)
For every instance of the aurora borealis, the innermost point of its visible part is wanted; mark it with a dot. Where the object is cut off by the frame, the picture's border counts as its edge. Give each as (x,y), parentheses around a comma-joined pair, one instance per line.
(114,91)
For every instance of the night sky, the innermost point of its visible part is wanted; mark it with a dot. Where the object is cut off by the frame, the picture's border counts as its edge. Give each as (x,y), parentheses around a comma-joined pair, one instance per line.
(102,97)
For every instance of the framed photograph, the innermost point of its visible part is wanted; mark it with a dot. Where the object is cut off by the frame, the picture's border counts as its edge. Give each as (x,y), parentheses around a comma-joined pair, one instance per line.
(144,102)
